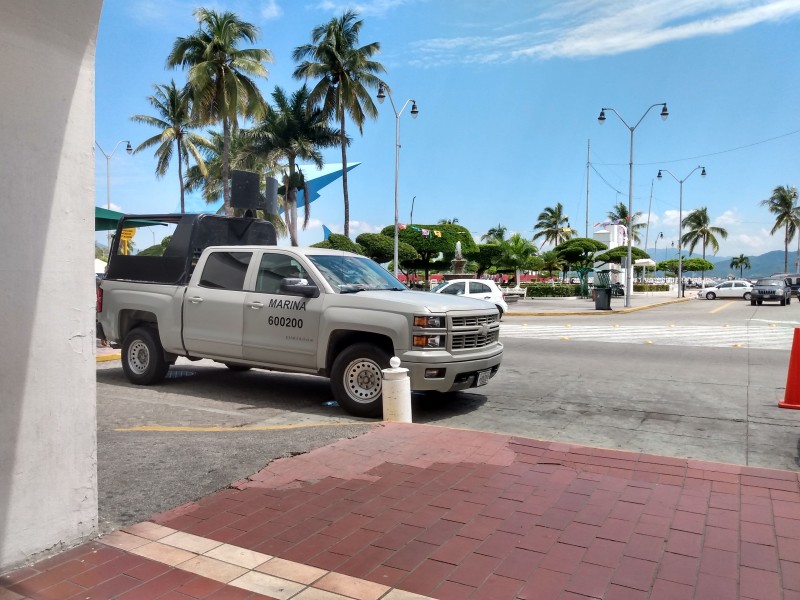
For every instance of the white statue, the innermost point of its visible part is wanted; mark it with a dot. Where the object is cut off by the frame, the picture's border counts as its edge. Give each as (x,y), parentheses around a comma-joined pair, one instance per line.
(458,255)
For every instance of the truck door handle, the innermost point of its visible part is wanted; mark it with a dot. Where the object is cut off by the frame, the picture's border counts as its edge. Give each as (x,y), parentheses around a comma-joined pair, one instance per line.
(196,300)
(255,305)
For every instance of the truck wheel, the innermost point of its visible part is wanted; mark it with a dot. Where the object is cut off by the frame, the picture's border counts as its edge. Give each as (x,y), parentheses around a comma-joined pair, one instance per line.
(783,301)
(357,380)
(752,302)
(143,357)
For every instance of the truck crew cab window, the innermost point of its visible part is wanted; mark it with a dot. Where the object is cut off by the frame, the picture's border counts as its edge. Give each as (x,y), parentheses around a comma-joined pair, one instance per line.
(273,268)
(225,270)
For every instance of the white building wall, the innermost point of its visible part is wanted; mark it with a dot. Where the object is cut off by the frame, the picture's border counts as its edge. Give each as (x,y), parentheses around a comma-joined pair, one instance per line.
(48,449)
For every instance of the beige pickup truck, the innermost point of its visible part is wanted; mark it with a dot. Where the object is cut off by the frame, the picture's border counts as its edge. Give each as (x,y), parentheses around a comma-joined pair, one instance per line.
(304,310)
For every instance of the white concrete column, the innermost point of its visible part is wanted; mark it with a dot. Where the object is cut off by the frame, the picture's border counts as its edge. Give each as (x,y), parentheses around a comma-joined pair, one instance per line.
(48,443)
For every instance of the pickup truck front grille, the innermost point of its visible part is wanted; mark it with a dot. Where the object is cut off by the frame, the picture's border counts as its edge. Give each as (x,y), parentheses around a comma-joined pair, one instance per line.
(472,332)
(474,320)
(465,341)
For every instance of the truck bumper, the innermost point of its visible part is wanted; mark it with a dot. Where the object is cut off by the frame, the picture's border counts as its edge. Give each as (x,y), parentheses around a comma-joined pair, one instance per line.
(451,376)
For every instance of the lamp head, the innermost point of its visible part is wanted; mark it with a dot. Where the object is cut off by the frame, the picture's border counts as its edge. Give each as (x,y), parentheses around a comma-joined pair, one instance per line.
(414,109)
(602,118)
(659,174)
(703,172)
(129,148)
(381,93)
(664,111)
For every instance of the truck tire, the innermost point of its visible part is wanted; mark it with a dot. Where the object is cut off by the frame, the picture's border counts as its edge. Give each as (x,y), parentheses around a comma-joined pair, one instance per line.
(357,379)
(143,357)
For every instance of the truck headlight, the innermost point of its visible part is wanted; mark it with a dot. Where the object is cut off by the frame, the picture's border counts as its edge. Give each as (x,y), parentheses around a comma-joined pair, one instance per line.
(426,321)
(428,341)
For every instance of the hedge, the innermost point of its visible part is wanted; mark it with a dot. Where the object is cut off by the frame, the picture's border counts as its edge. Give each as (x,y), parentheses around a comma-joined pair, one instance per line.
(545,290)
(650,287)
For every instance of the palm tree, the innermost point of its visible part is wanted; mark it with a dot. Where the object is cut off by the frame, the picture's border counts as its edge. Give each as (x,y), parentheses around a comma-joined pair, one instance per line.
(783,204)
(517,253)
(292,130)
(495,235)
(345,71)
(741,262)
(700,231)
(219,76)
(551,261)
(620,213)
(553,225)
(174,121)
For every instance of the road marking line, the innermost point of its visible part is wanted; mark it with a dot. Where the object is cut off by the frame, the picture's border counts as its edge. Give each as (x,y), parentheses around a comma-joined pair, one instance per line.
(170,428)
(719,308)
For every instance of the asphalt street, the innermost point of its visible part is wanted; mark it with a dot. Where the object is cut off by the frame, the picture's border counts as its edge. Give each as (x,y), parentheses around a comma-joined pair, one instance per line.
(205,426)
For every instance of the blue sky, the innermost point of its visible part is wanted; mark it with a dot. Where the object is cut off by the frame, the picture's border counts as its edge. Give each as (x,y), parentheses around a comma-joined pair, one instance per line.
(509,93)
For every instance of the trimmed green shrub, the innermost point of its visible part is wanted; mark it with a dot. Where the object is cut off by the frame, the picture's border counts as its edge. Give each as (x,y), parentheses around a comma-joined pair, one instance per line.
(547,290)
(650,287)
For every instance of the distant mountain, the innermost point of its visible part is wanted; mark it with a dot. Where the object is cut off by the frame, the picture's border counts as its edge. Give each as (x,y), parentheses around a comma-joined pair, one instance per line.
(763,265)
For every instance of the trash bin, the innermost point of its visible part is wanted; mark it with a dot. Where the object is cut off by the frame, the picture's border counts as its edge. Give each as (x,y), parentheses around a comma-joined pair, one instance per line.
(602,298)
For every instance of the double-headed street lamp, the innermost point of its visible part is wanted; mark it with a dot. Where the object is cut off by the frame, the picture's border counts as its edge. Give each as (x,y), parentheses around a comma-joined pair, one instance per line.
(129,150)
(680,218)
(382,93)
(629,267)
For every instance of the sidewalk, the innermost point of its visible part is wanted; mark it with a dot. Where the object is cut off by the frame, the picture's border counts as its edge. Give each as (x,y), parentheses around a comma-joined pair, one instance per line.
(411,511)
(552,307)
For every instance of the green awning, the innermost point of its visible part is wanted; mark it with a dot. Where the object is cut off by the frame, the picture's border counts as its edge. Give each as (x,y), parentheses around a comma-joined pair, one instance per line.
(107,220)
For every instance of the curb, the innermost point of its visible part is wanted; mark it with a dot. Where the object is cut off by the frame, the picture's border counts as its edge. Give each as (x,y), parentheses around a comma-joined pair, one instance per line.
(595,312)
(109,357)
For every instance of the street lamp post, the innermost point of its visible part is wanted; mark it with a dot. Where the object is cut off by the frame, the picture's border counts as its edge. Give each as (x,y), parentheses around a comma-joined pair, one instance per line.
(629,267)
(680,218)
(129,150)
(382,93)
(411,220)
(655,250)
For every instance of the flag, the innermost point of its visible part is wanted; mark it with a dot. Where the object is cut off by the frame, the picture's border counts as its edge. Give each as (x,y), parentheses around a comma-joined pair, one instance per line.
(401,225)
(326,232)
(426,232)
(437,233)
(415,228)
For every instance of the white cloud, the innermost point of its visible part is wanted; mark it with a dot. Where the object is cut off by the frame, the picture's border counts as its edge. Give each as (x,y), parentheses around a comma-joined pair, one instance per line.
(671,217)
(729,217)
(270,9)
(374,8)
(587,28)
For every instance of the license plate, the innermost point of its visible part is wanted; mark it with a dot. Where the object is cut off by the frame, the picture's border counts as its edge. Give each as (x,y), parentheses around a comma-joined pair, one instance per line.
(483,377)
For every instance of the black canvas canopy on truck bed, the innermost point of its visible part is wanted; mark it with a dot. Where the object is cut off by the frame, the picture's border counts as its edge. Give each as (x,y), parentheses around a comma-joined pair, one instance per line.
(193,234)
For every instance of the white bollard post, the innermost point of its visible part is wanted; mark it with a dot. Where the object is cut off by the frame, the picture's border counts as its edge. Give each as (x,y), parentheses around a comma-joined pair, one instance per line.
(396,393)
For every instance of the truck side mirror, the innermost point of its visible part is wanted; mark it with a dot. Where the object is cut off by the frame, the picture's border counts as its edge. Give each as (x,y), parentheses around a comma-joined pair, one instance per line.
(295,286)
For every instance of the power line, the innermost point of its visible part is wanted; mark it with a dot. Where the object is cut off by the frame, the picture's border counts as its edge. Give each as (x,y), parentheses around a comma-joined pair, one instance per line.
(772,139)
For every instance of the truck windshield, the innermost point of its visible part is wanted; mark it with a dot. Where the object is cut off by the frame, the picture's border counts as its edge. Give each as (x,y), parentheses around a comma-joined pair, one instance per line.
(350,274)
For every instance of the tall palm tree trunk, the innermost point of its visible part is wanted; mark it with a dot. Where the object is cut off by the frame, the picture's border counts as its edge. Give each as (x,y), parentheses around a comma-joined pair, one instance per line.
(226,157)
(344,180)
(786,249)
(291,201)
(180,172)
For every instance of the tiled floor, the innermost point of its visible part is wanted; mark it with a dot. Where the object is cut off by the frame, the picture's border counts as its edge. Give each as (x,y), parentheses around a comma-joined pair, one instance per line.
(456,514)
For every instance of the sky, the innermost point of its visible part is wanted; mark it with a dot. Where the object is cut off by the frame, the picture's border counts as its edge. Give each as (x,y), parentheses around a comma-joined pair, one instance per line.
(508,94)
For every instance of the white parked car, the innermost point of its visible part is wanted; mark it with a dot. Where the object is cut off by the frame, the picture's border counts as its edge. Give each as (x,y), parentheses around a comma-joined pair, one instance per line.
(728,289)
(483,289)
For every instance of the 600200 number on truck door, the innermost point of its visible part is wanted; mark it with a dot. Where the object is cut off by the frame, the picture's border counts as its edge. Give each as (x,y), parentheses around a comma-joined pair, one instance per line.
(285,322)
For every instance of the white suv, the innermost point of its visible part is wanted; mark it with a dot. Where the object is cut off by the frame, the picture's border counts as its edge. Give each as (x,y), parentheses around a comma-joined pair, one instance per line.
(484,289)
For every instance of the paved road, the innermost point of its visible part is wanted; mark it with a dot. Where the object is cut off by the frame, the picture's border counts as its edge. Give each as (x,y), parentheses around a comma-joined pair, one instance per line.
(691,392)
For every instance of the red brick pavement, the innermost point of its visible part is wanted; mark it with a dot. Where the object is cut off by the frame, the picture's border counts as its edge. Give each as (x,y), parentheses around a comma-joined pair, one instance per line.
(461,514)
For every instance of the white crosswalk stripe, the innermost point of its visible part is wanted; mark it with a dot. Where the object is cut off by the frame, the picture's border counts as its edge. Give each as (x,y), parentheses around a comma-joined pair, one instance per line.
(762,337)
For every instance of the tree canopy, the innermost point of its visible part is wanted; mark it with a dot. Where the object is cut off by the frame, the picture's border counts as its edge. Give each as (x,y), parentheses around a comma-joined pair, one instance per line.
(380,248)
